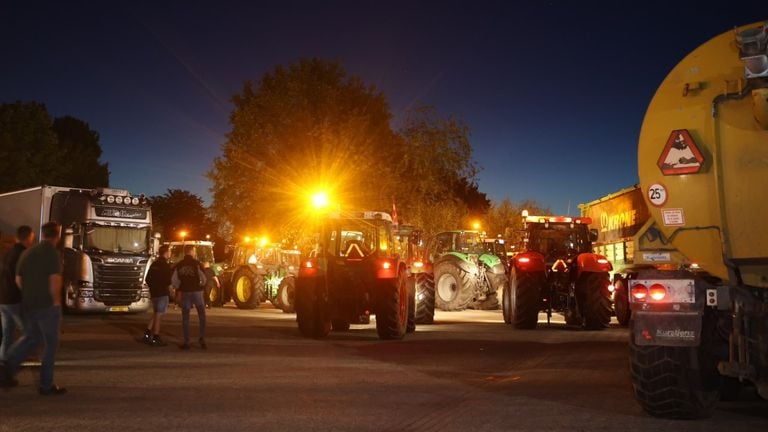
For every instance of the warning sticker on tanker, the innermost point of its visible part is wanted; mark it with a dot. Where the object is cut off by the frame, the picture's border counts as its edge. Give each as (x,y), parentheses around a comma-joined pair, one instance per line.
(673,217)
(681,155)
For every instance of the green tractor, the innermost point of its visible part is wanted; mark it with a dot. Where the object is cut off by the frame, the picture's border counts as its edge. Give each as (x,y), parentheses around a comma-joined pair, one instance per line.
(465,274)
(260,273)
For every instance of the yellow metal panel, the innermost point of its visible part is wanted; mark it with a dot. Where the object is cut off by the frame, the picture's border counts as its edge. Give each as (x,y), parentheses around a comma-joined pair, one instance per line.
(716,212)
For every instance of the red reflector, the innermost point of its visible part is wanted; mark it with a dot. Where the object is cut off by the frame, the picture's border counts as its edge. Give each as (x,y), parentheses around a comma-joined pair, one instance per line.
(657,292)
(639,292)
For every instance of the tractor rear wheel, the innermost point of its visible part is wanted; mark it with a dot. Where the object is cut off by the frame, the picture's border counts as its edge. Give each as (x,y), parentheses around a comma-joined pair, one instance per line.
(453,287)
(425,298)
(246,288)
(594,299)
(673,382)
(411,284)
(311,309)
(286,294)
(392,307)
(524,299)
(621,301)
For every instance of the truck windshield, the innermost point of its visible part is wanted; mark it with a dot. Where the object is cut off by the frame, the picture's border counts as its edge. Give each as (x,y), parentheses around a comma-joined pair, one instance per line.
(116,239)
(559,238)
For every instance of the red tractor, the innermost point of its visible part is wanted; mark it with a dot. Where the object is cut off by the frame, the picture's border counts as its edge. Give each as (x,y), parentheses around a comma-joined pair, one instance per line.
(556,271)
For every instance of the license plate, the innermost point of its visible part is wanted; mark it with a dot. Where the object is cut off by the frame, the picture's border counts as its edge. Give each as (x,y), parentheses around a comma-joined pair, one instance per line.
(118,309)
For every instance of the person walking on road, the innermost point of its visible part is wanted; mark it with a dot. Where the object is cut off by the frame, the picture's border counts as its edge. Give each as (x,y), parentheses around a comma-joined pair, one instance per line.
(38,274)
(189,278)
(10,295)
(159,281)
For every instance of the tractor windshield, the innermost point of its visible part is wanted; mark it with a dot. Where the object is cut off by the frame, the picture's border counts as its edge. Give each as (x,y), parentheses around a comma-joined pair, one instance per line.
(357,238)
(558,238)
(469,242)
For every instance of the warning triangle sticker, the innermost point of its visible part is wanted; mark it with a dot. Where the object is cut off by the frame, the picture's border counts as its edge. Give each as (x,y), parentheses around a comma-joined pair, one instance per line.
(681,155)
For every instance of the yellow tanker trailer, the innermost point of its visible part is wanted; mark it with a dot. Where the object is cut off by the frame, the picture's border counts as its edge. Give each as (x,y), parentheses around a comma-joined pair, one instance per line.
(700,331)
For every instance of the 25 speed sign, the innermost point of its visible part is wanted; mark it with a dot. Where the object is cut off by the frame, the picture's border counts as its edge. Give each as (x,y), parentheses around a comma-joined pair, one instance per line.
(657,194)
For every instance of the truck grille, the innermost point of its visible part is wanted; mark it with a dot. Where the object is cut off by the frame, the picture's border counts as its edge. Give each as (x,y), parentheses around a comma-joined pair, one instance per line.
(117,284)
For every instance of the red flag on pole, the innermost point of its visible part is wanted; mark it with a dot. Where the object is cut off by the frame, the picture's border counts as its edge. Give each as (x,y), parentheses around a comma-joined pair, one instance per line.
(394,212)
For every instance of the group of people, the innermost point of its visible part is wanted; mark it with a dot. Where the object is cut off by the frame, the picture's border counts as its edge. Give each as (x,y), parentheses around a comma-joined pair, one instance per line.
(30,301)
(31,284)
(189,279)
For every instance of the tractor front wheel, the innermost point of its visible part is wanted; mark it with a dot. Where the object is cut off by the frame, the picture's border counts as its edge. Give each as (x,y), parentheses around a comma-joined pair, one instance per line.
(246,288)
(286,295)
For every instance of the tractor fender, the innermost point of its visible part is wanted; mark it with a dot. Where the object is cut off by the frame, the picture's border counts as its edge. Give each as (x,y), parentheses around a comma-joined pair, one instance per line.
(529,262)
(463,264)
(592,262)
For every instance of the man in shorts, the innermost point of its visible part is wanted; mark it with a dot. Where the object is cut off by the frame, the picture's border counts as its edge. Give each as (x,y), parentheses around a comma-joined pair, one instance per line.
(159,281)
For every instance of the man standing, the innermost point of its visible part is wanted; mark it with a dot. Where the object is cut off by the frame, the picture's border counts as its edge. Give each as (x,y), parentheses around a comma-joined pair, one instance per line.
(38,274)
(10,295)
(159,281)
(189,278)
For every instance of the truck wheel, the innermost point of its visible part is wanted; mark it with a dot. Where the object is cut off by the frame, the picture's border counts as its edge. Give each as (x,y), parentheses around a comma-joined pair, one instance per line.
(621,301)
(453,287)
(311,310)
(525,299)
(594,299)
(425,299)
(245,289)
(411,325)
(669,381)
(392,308)
(286,294)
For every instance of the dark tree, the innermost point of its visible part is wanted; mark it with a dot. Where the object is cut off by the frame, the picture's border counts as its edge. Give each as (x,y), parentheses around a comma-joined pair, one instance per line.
(79,147)
(180,210)
(37,150)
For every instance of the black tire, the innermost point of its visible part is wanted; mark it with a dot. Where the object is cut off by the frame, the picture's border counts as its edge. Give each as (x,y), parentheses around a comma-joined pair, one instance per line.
(411,325)
(311,309)
(670,383)
(425,298)
(594,299)
(338,325)
(621,301)
(525,299)
(216,295)
(246,288)
(286,294)
(392,308)
(507,304)
(454,290)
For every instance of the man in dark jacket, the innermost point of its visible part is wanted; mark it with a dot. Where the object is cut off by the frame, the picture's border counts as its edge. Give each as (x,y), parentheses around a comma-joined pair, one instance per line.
(10,295)
(159,281)
(189,278)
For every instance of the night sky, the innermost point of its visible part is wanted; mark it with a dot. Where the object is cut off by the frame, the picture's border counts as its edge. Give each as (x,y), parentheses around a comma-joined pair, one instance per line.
(554,92)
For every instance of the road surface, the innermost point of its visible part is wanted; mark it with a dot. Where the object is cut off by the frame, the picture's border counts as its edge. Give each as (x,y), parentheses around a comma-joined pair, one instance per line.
(467,372)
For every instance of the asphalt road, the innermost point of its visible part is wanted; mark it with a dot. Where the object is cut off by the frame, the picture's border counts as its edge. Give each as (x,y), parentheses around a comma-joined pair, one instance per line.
(467,372)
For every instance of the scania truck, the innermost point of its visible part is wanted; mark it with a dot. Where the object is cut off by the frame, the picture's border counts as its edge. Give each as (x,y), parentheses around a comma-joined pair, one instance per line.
(106,243)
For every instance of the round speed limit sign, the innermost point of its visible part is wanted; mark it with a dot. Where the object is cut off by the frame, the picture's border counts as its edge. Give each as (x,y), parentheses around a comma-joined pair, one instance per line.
(657,194)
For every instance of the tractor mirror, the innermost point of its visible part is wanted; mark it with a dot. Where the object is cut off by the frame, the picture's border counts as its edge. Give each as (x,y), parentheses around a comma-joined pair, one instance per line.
(593,235)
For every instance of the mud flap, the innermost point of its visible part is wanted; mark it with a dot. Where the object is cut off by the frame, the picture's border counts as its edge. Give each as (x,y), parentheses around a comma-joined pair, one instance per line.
(676,329)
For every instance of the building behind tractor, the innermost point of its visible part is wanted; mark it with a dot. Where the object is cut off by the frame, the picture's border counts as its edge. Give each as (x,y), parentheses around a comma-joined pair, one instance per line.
(617,218)
(556,271)
(356,271)
(700,331)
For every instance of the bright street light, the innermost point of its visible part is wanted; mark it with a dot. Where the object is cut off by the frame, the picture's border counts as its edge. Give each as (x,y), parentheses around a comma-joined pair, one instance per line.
(320,200)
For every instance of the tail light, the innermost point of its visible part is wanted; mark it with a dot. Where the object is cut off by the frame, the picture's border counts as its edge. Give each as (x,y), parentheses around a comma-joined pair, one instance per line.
(611,288)
(308,269)
(530,262)
(639,292)
(386,269)
(418,264)
(657,292)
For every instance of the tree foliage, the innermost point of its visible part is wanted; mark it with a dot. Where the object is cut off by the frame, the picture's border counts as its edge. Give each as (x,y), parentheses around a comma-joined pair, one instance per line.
(180,210)
(37,150)
(309,126)
(504,218)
